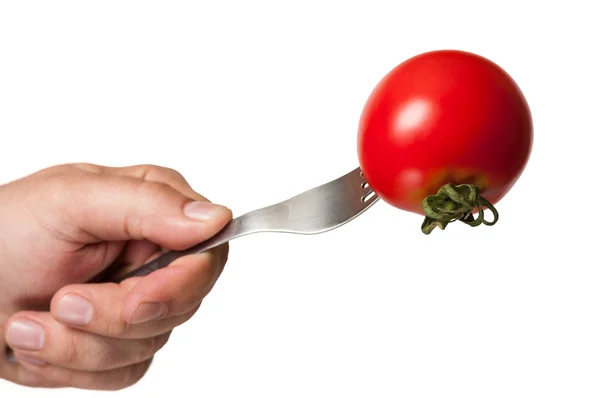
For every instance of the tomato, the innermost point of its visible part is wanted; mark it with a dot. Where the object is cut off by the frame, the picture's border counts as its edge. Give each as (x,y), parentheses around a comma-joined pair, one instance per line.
(445,134)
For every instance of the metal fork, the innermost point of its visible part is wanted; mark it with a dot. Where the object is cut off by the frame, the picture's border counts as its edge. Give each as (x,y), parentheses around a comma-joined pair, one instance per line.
(317,210)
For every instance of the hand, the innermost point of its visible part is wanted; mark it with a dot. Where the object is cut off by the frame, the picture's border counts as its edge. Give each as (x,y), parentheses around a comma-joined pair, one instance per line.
(66,225)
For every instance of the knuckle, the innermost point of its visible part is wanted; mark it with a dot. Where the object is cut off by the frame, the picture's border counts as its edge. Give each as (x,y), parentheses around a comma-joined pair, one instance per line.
(188,315)
(149,347)
(119,329)
(133,226)
(59,170)
(129,376)
(92,354)
(103,356)
(138,371)
(172,173)
(159,342)
(58,376)
(63,188)
(88,167)
(71,350)
(143,171)
(26,378)
(152,172)
(64,173)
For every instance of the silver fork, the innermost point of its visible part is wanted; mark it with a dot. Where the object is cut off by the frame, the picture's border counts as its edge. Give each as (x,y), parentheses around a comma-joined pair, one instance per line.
(317,210)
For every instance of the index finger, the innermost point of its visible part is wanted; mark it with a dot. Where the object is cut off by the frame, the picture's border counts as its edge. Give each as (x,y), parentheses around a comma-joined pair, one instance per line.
(160,174)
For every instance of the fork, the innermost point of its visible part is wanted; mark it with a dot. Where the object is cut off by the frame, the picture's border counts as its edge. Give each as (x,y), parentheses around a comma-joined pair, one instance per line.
(317,210)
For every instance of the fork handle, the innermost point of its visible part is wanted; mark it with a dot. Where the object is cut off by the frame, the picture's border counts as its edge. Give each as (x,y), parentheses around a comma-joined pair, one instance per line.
(231,231)
(260,220)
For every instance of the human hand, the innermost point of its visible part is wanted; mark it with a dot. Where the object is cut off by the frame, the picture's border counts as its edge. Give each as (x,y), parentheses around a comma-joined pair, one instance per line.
(66,225)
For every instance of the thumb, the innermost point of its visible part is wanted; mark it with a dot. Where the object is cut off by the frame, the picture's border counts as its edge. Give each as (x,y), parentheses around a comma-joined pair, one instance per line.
(117,208)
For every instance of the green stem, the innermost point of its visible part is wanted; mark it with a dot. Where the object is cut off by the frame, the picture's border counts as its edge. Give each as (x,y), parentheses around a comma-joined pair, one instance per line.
(455,203)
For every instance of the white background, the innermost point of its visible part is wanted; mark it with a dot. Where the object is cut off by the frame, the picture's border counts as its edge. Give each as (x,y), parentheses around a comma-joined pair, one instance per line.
(255,101)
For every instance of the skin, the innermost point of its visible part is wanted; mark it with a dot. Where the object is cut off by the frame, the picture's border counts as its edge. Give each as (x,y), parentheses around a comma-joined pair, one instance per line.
(62,227)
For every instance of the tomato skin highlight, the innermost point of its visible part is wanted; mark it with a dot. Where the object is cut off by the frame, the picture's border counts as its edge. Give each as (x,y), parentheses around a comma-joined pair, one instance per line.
(444,116)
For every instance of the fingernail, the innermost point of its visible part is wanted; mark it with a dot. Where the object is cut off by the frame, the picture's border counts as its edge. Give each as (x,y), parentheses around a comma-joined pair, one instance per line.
(25,334)
(147,312)
(203,211)
(31,360)
(74,309)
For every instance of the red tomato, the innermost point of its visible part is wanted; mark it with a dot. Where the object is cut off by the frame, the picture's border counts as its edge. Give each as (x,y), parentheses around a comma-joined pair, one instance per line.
(444,117)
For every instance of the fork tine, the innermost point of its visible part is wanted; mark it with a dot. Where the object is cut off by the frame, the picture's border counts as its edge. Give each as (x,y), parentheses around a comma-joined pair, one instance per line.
(368,196)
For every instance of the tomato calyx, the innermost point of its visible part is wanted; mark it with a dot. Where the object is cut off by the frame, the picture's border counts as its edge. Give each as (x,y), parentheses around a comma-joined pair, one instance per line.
(455,203)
